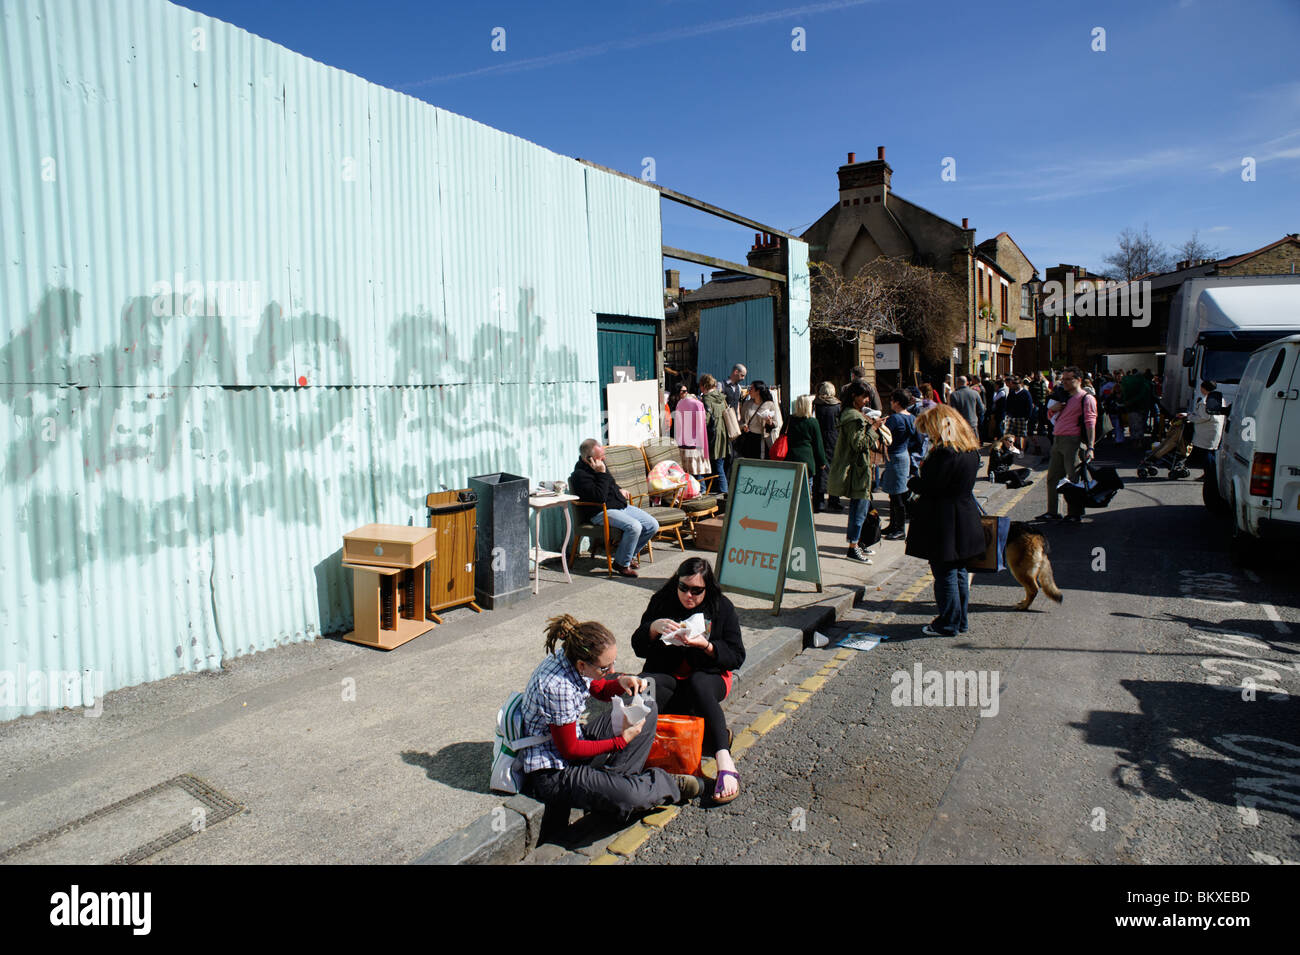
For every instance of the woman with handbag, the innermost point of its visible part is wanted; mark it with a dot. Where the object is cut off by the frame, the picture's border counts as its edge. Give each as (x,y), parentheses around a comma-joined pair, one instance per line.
(850,467)
(946,528)
(760,422)
(692,675)
(591,767)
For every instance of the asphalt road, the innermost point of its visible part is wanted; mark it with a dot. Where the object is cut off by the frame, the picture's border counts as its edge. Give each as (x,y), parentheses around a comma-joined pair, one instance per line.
(1120,732)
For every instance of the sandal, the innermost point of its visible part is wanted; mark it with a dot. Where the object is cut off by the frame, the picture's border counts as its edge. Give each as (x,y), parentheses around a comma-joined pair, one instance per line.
(718,798)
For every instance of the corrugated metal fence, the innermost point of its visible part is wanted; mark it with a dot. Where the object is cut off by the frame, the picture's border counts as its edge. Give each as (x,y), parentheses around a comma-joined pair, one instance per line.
(250,302)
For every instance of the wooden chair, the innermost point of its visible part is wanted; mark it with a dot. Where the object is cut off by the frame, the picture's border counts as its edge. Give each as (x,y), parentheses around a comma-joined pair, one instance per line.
(696,509)
(626,464)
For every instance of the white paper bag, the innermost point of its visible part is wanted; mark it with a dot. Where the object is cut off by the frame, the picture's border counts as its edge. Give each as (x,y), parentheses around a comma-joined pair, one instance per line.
(692,626)
(624,715)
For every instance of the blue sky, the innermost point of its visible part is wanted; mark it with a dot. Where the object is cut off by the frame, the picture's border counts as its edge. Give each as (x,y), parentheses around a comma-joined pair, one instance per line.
(1057,144)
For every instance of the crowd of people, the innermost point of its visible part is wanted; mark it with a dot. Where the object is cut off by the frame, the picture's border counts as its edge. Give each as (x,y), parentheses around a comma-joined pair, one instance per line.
(920,447)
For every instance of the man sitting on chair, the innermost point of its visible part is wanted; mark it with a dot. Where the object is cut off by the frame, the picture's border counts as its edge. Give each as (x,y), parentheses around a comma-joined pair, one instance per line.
(594,485)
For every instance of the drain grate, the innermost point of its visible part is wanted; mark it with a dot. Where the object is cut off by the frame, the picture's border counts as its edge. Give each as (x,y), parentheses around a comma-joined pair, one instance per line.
(217,805)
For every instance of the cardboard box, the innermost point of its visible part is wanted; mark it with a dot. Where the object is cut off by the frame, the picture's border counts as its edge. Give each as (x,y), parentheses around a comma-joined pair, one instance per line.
(708,534)
(389,545)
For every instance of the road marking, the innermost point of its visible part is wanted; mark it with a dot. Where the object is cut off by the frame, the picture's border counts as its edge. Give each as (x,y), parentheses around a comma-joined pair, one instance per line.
(1271,612)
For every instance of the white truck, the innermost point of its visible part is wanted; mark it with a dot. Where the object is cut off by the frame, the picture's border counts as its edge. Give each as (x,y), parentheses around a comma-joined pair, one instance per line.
(1214,325)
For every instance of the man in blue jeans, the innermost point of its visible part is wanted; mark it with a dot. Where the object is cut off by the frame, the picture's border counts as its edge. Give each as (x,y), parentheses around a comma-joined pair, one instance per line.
(593,484)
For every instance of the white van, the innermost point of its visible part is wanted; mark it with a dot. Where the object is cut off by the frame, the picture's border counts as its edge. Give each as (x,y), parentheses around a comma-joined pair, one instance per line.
(1258,463)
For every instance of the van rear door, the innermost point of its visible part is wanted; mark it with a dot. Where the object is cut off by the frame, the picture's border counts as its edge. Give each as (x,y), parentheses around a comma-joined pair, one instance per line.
(1286,473)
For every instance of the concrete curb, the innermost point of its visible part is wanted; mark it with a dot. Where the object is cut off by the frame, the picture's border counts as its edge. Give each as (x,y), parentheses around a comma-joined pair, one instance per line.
(508,833)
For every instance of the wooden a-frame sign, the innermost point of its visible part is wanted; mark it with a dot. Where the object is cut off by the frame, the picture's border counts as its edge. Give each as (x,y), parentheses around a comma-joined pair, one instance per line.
(768,536)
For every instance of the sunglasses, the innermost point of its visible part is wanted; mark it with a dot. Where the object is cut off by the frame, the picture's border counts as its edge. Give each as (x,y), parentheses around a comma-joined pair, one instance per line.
(693,591)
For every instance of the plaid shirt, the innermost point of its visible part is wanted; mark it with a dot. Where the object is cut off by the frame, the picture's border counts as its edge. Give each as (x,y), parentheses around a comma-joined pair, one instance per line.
(556,695)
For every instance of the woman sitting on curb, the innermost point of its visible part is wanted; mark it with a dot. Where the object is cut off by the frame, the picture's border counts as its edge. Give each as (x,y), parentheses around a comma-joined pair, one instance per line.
(694,679)
(590,768)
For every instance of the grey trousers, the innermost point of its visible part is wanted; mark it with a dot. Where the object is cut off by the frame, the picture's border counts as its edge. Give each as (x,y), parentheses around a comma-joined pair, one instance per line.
(1064,464)
(615,782)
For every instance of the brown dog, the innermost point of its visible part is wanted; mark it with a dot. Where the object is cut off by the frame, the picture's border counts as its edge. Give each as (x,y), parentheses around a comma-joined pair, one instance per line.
(1026,556)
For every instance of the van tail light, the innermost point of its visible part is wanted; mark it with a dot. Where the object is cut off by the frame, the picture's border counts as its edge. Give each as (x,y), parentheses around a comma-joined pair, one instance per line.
(1261,475)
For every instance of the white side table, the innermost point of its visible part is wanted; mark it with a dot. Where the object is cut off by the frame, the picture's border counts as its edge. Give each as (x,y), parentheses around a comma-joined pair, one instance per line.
(538,504)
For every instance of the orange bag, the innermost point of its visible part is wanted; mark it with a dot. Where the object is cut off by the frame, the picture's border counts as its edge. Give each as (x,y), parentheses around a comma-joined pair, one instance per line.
(678,743)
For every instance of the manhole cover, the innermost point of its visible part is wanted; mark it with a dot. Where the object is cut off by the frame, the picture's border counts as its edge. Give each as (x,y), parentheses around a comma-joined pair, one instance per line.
(130,829)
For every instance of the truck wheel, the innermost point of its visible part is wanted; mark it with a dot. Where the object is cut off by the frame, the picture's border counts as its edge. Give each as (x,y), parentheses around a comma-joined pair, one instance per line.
(1242,548)
(1211,497)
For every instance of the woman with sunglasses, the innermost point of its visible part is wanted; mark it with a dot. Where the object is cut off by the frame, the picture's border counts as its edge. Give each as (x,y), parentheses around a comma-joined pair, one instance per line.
(590,767)
(694,679)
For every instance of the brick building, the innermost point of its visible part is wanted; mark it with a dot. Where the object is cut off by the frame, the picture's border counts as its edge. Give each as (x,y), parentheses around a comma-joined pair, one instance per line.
(870,220)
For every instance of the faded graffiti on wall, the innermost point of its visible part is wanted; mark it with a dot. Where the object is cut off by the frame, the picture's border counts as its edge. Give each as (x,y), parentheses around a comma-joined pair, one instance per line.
(246,446)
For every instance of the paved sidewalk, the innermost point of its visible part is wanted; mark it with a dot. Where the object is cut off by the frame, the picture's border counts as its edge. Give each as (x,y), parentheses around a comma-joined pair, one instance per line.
(313,776)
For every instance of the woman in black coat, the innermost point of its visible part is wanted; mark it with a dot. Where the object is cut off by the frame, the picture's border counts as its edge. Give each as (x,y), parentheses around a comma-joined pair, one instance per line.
(946,528)
(694,679)
(827,409)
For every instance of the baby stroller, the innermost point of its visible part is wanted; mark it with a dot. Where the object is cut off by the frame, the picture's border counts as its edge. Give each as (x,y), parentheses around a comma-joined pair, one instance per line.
(1171,453)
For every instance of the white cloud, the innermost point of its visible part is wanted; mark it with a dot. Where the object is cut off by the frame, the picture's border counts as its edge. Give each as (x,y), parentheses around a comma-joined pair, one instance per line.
(649,39)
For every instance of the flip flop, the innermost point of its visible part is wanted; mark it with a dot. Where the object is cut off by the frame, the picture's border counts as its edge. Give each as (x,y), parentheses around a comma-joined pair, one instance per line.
(718,798)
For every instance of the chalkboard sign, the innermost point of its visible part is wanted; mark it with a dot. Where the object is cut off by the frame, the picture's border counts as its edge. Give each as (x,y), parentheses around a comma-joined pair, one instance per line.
(768,536)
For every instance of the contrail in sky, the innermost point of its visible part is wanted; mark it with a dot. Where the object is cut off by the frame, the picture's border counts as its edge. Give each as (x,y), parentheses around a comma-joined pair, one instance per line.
(648,39)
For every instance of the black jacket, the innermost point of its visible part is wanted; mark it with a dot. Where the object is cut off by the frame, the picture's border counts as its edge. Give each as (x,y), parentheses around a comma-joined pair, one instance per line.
(1020,404)
(828,419)
(724,632)
(945,525)
(597,487)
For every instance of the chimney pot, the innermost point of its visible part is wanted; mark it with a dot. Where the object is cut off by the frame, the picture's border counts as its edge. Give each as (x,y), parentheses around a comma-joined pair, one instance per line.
(758,240)
(880,153)
(965,223)
(853,157)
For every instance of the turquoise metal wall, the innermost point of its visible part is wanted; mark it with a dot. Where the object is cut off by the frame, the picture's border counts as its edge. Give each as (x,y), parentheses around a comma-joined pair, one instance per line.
(740,332)
(800,345)
(390,297)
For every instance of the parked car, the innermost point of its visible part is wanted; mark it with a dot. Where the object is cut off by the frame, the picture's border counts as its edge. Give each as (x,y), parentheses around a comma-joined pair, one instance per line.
(1258,463)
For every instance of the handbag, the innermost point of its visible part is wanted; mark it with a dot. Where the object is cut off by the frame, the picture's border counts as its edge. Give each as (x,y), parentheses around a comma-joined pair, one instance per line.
(731,423)
(679,742)
(996,529)
(780,448)
(870,533)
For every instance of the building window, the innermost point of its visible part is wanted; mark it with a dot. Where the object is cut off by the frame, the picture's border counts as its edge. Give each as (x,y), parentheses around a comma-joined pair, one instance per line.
(1005,317)
(1024,301)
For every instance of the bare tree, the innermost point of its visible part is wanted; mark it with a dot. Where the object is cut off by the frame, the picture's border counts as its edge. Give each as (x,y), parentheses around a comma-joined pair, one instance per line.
(890,297)
(1138,254)
(1194,249)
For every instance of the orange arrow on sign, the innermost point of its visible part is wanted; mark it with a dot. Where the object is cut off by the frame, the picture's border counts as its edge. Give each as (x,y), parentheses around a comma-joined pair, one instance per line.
(749,524)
